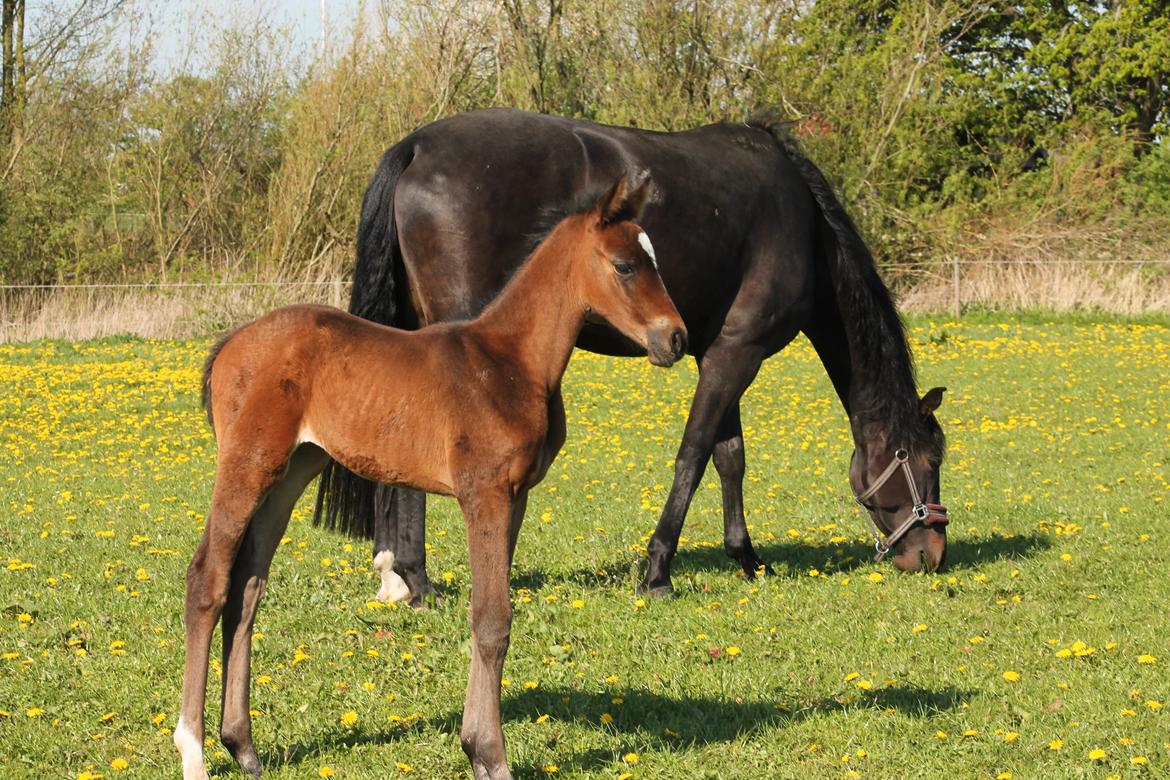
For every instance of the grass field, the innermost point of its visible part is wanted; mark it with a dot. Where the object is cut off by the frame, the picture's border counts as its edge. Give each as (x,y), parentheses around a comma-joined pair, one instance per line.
(1041,651)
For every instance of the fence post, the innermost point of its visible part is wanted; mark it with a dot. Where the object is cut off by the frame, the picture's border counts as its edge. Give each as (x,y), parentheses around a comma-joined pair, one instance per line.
(957,305)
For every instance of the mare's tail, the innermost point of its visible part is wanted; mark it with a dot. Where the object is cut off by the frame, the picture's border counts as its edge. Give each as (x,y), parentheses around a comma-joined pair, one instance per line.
(345,501)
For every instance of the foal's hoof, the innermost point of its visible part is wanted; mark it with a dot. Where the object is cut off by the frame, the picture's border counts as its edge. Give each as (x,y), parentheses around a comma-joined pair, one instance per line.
(249,762)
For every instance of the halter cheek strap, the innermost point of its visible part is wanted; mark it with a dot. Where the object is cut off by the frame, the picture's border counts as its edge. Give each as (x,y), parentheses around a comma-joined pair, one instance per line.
(922,512)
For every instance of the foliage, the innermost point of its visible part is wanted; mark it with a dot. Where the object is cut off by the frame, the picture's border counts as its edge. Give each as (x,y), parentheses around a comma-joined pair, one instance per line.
(936,119)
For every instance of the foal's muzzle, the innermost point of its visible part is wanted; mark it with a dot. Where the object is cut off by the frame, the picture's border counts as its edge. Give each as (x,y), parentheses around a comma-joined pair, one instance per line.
(666,346)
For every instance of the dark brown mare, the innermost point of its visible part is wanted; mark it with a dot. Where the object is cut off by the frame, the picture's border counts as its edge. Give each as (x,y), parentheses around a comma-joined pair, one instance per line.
(755,248)
(471,410)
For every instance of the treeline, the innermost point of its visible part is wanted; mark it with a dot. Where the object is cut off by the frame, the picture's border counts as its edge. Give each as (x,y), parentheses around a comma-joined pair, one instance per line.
(997,130)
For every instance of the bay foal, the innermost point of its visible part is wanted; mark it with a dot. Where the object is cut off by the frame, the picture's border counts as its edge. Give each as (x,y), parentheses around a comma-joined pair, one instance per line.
(471,410)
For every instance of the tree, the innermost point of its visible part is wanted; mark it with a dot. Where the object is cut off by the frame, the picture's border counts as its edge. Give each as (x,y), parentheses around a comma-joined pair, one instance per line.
(14,82)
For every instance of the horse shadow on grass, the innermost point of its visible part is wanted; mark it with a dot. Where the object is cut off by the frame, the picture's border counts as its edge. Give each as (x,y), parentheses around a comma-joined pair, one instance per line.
(786,559)
(657,721)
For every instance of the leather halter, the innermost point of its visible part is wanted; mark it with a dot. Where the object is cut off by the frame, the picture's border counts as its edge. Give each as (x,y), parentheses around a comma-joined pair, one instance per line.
(922,512)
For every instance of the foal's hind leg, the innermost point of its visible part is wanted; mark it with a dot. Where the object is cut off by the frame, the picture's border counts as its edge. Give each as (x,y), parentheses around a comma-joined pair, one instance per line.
(239,487)
(728,457)
(248,581)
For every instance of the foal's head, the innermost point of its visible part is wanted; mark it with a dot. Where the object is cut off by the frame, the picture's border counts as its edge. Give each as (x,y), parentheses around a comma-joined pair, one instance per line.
(616,272)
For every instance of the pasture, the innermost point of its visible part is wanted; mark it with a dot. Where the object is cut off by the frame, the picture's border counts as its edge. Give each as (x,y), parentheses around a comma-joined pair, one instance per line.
(1040,652)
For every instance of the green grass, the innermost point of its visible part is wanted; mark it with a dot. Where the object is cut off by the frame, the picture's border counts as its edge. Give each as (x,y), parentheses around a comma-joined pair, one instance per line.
(1056,481)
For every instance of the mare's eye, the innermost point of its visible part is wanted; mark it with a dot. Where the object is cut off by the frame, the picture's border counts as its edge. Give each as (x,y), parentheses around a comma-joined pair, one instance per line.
(625,269)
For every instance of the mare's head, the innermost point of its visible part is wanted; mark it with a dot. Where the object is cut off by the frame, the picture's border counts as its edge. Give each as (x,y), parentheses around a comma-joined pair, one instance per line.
(616,272)
(896,478)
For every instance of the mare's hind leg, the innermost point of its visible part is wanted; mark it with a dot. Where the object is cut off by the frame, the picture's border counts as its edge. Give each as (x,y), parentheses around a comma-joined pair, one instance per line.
(386,516)
(240,485)
(728,457)
(400,554)
(248,581)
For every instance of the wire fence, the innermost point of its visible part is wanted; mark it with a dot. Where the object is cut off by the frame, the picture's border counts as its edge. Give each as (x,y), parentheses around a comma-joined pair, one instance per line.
(185,308)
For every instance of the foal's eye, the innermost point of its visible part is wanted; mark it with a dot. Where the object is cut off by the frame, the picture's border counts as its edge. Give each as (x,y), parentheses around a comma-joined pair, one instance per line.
(625,269)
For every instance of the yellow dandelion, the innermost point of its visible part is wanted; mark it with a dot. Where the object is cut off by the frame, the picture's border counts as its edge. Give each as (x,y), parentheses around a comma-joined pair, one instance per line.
(349,719)
(1097,754)
(1011,676)
(325,771)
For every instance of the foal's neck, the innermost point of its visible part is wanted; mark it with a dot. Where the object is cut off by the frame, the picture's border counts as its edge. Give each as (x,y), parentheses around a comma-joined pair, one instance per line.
(535,320)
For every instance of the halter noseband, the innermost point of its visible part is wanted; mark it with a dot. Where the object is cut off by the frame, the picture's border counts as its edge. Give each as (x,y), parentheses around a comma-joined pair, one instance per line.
(922,512)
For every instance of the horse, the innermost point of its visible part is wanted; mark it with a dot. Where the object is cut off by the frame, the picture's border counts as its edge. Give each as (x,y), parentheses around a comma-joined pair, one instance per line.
(756,248)
(469,409)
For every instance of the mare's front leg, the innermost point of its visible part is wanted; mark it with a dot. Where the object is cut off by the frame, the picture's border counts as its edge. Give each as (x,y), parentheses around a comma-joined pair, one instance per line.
(489,515)
(728,457)
(725,371)
(248,581)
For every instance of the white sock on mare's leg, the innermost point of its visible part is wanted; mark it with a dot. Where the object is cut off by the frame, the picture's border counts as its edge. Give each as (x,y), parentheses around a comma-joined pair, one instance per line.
(191,751)
(393,587)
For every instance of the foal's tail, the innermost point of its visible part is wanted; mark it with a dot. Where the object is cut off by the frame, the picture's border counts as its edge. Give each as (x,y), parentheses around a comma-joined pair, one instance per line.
(345,501)
(207,366)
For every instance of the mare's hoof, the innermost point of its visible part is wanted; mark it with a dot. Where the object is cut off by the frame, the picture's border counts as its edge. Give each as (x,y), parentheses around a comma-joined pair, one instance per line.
(751,569)
(423,600)
(656,590)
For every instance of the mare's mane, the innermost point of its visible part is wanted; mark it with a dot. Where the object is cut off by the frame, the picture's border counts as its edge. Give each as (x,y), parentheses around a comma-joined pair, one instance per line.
(876,334)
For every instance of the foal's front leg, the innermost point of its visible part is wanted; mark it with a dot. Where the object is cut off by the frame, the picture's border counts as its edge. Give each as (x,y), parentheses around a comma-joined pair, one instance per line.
(488,515)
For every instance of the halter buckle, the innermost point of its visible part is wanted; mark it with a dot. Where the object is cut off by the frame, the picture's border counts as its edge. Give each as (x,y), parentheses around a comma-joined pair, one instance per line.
(920,512)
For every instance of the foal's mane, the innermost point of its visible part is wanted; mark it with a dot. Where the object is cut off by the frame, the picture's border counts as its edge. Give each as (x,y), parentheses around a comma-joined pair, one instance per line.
(552,215)
(546,221)
(876,334)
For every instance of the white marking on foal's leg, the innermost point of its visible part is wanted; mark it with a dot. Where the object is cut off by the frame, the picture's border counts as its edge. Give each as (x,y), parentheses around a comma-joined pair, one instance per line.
(191,750)
(393,586)
(644,240)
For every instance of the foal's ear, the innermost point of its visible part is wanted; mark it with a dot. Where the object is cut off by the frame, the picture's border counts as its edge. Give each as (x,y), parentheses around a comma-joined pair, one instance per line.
(626,198)
(931,401)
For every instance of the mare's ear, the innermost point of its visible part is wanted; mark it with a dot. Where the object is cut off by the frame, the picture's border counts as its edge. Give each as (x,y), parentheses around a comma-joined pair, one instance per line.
(626,198)
(931,401)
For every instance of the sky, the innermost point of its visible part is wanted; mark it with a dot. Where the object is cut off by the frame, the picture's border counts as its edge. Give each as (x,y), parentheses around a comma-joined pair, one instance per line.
(174,21)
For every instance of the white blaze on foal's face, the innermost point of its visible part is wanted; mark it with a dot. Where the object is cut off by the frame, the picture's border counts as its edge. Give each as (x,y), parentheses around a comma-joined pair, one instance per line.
(644,240)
